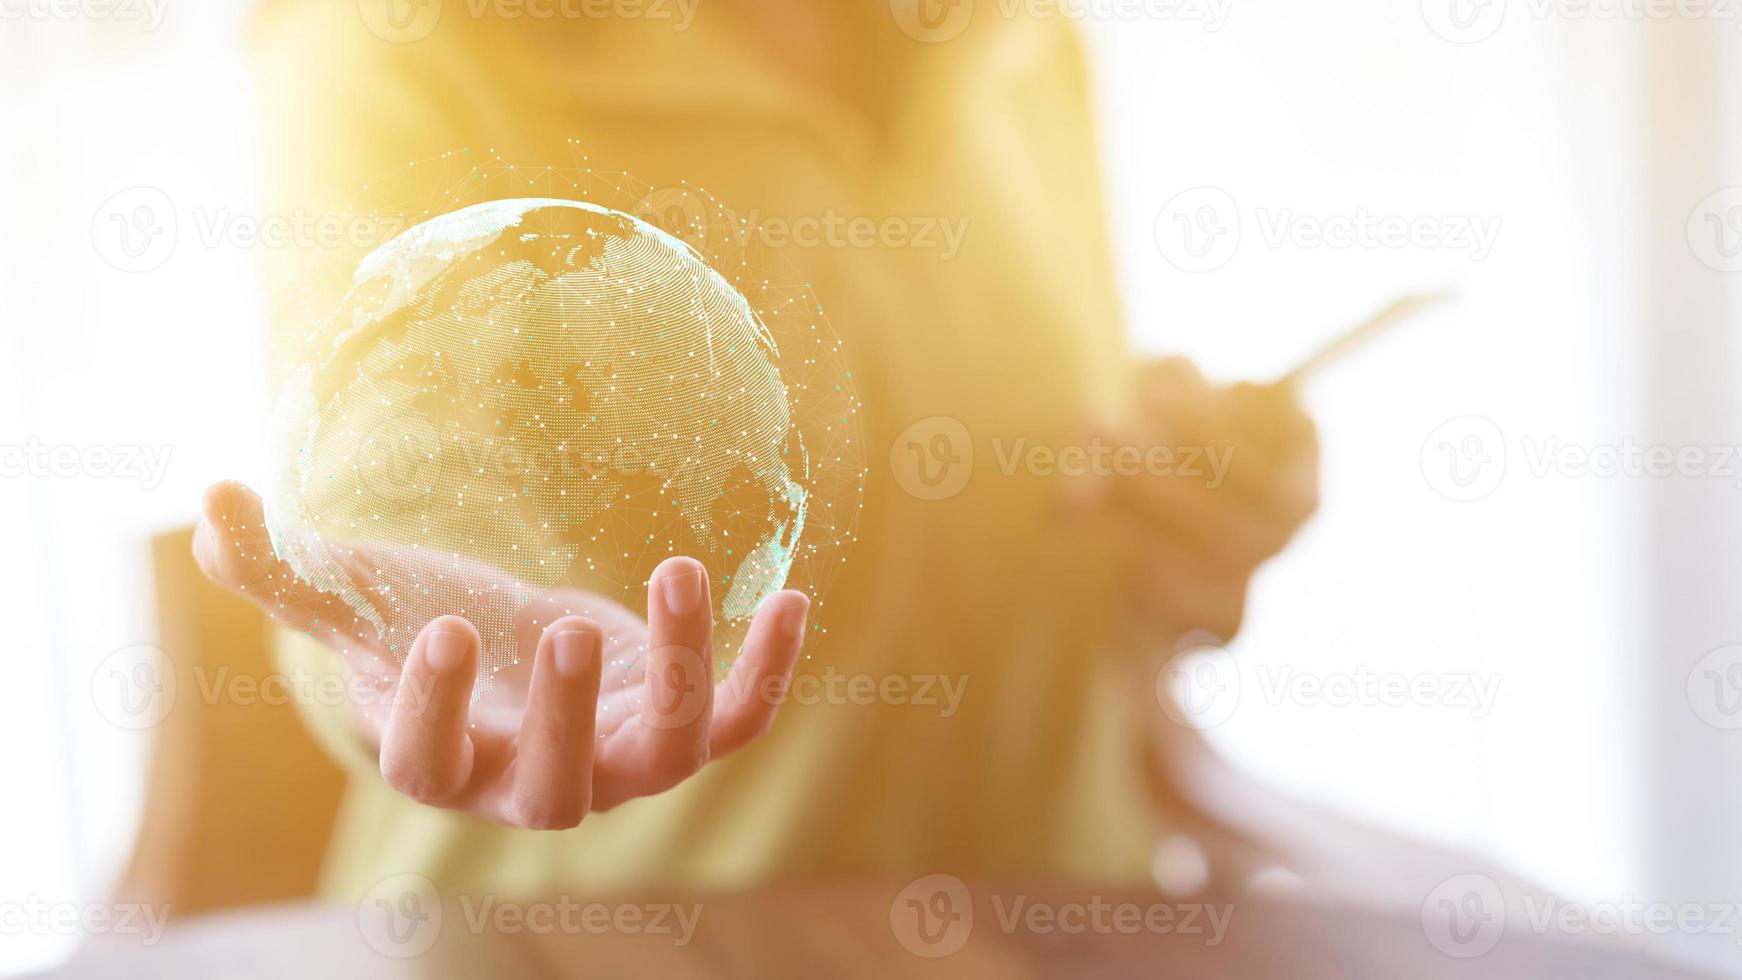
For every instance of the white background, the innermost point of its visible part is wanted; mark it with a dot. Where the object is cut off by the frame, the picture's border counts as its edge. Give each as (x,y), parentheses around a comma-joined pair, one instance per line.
(1590,598)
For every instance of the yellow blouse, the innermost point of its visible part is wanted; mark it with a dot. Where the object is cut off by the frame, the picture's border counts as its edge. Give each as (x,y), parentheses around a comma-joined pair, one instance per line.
(1018,758)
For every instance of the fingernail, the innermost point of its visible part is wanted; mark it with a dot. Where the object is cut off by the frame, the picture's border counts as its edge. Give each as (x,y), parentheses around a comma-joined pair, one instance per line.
(445,652)
(573,648)
(792,618)
(683,592)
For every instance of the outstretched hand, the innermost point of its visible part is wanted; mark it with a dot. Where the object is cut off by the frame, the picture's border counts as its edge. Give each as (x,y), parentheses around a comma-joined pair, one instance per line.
(601,707)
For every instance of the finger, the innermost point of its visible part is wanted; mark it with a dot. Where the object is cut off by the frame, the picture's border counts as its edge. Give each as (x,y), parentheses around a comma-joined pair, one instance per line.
(669,740)
(234,549)
(553,764)
(747,701)
(426,752)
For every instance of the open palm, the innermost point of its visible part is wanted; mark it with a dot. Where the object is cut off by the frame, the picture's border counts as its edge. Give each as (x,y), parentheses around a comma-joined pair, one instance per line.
(600,707)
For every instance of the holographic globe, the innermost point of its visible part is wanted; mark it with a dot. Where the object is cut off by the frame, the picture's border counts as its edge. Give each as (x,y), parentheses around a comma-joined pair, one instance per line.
(532,394)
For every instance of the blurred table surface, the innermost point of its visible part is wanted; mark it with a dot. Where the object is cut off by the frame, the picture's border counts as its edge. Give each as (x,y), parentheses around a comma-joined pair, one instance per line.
(853,929)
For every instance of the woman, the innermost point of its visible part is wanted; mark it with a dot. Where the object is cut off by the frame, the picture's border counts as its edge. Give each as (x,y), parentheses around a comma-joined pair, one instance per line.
(1028,593)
